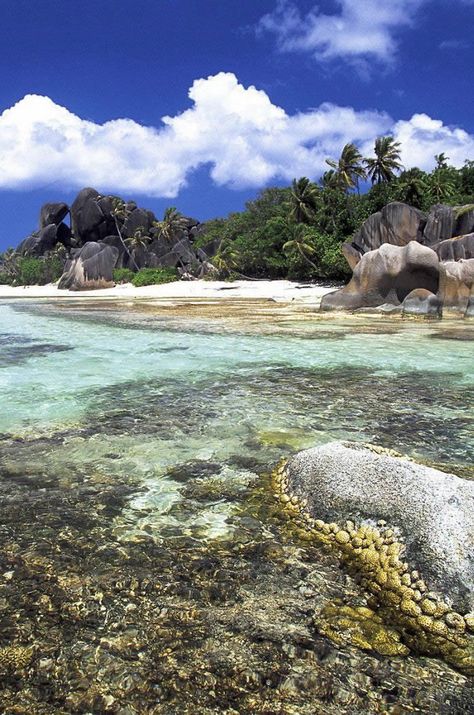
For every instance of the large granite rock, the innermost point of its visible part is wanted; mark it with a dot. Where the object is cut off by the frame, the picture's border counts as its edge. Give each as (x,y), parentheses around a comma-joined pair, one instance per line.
(91,216)
(138,219)
(456,281)
(440,224)
(91,268)
(454,249)
(396,224)
(53,213)
(422,303)
(434,511)
(387,275)
(41,242)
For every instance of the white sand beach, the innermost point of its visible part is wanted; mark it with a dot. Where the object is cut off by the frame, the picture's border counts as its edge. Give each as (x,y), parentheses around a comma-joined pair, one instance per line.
(277,290)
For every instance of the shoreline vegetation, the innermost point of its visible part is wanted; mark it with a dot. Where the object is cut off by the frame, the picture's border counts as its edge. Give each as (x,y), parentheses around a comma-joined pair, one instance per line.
(294,233)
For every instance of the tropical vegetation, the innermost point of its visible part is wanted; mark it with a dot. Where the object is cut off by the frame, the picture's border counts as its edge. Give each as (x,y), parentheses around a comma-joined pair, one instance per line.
(297,232)
(291,232)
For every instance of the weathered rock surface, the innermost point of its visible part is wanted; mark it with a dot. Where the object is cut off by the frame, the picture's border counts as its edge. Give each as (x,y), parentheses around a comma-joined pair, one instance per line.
(91,268)
(434,511)
(52,213)
(464,220)
(422,302)
(387,275)
(454,249)
(447,230)
(91,219)
(42,241)
(396,223)
(456,281)
(440,224)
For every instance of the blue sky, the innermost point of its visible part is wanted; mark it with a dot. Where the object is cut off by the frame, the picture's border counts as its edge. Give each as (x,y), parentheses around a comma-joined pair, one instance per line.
(254,93)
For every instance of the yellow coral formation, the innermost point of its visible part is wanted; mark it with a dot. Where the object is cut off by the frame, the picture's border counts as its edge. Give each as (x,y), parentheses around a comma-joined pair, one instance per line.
(374,556)
(14,658)
(359,626)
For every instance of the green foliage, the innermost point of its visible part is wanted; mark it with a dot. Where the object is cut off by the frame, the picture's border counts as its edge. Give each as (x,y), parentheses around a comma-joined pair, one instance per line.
(154,276)
(123,275)
(386,162)
(38,271)
(297,232)
(5,278)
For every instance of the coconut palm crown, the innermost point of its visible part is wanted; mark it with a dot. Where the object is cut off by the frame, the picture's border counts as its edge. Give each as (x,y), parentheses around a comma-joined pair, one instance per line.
(348,168)
(386,162)
(173,222)
(304,199)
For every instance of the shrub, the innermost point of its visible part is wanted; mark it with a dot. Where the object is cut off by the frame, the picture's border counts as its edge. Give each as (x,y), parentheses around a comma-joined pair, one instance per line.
(5,278)
(39,271)
(154,276)
(123,275)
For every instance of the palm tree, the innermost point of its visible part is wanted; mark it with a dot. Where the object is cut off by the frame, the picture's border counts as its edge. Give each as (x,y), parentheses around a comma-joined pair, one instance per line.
(383,166)
(441,160)
(226,258)
(120,211)
(304,198)
(412,187)
(348,169)
(171,225)
(139,239)
(442,184)
(299,243)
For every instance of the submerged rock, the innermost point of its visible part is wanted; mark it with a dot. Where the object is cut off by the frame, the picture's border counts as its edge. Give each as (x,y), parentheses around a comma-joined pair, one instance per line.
(433,511)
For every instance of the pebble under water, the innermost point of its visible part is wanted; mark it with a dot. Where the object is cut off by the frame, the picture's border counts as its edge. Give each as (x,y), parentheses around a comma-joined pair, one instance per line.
(145,567)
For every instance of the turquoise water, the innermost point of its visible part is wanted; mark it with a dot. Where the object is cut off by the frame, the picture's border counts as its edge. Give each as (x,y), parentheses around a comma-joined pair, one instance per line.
(130,431)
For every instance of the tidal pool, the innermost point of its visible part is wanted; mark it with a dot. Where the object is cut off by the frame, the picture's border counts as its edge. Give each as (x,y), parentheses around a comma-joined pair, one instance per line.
(145,565)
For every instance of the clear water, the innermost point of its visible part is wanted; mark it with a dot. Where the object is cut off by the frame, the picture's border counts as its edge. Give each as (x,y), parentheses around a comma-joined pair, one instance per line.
(169,424)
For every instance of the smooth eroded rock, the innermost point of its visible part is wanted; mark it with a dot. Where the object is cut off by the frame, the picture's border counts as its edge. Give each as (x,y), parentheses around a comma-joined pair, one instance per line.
(422,302)
(433,511)
(456,281)
(387,275)
(91,268)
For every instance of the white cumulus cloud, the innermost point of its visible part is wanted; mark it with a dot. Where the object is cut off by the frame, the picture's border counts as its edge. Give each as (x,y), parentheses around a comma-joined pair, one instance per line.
(422,137)
(358,31)
(245,139)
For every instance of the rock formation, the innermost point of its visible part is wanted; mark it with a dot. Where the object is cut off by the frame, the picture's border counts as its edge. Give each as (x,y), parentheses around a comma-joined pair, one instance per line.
(393,524)
(422,302)
(91,268)
(400,249)
(387,275)
(107,222)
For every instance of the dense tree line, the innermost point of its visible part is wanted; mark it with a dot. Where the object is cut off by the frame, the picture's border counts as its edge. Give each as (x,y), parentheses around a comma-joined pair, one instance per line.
(296,232)
(293,232)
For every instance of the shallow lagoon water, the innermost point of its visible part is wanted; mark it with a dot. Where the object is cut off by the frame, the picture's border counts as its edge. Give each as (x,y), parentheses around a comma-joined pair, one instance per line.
(147,566)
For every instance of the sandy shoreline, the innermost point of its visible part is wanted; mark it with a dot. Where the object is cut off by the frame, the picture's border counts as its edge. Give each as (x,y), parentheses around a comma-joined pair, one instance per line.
(277,290)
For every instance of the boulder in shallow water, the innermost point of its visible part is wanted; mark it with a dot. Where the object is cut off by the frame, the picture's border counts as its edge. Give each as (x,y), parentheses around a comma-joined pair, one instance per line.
(91,268)
(422,302)
(433,511)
